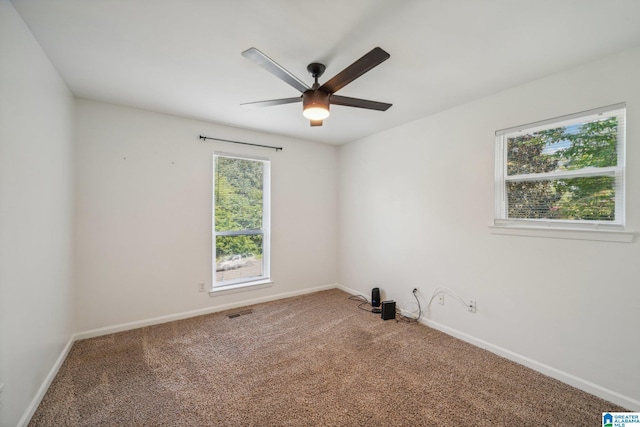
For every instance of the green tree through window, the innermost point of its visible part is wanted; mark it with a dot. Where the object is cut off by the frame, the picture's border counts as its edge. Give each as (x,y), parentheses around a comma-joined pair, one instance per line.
(567,172)
(239,218)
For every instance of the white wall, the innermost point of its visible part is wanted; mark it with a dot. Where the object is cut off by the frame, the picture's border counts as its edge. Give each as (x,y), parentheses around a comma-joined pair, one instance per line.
(144,214)
(415,206)
(410,208)
(36,208)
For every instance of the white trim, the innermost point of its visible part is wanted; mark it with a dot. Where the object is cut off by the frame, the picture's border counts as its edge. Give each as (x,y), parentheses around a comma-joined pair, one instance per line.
(241,156)
(35,402)
(564,233)
(265,231)
(556,175)
(352,291)
(565,377)
(617,172)
(240,287)
(594,114)
(193,313)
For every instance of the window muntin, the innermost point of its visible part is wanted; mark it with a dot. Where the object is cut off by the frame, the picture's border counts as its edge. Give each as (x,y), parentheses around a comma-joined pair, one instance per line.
(241,220)
(567,171)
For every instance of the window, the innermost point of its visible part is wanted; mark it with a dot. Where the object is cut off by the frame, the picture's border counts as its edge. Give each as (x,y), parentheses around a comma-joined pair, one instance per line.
(241,199)
(566,172)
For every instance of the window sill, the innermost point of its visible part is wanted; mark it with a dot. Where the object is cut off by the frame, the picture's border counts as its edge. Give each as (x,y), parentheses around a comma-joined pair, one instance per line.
(564,233)
(240,287)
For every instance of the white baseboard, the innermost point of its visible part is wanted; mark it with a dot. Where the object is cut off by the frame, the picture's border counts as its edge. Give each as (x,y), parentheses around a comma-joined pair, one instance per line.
(187,314)
(572,380)
(567,378)
(352,291)
(31,409)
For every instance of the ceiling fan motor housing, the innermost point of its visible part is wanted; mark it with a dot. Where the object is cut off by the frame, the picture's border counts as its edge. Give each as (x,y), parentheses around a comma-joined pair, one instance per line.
(315,104)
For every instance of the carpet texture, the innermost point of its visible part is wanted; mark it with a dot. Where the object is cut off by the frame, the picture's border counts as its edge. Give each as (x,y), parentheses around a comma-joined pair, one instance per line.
(312,360)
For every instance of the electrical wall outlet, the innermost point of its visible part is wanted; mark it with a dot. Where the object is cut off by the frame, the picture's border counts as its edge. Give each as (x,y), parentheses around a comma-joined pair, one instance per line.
(202,287)
(441,299)
(472,306)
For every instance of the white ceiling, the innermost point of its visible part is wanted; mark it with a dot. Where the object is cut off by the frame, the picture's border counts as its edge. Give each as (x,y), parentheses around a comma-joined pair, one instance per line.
(182,57)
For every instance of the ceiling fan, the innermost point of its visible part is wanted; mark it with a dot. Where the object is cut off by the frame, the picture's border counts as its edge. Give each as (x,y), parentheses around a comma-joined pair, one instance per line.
(317,98)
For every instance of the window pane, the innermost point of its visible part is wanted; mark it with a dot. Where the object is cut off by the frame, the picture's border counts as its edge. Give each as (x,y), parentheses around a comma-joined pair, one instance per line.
(241,220)
(589,199)
(564,169)
(526,154)
(238,257)
(238,194)
(581,145)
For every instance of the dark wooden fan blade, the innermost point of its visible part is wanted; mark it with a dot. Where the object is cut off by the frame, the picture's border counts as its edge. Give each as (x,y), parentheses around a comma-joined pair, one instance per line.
(375,57)
(274,68)
(271,102)
(315,122)
(360,103)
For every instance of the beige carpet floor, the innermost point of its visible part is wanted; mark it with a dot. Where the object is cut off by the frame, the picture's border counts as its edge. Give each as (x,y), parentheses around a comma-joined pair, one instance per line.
(313,360)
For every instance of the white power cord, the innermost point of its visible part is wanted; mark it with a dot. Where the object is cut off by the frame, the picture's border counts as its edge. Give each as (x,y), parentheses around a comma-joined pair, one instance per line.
(451,292)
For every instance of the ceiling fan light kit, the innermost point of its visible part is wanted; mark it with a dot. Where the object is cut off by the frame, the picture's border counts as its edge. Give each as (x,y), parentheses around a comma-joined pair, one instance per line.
(315,105)
(317,99)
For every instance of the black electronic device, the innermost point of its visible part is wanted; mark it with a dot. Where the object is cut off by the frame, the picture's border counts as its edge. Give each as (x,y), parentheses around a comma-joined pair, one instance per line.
(375,300)
(388,310)
(375,297)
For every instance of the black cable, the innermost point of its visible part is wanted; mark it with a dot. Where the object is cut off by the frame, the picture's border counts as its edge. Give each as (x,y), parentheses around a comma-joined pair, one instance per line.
(362,300)
(419,307)
(400,316)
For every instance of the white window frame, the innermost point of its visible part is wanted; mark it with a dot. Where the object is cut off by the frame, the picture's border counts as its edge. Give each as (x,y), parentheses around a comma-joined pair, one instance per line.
(265,278)
(579,229)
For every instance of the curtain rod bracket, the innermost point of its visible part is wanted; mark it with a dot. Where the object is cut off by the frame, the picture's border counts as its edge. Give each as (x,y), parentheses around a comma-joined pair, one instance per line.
(204,138)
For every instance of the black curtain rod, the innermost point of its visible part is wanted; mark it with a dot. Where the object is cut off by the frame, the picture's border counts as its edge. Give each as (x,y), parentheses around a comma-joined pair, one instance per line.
(204,138)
